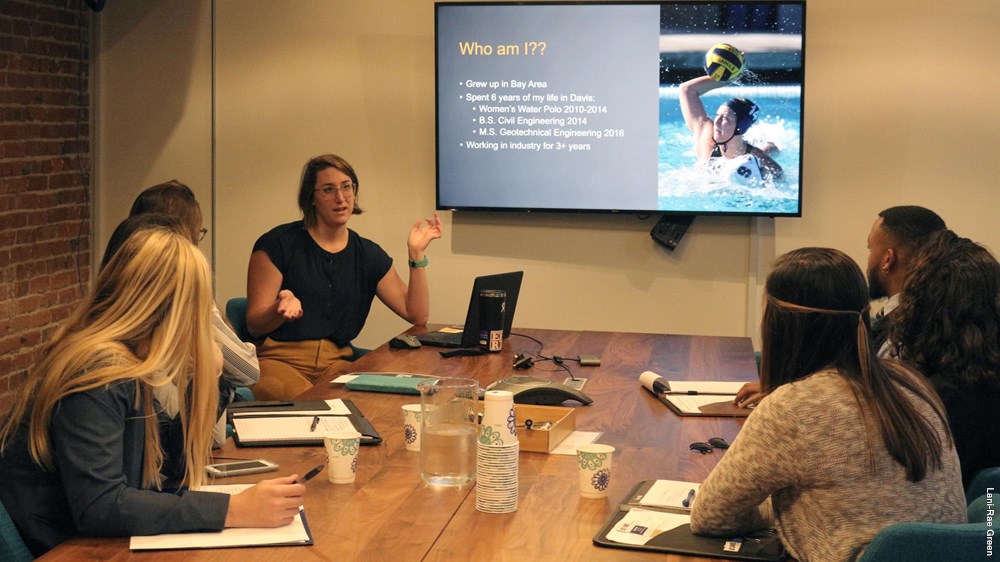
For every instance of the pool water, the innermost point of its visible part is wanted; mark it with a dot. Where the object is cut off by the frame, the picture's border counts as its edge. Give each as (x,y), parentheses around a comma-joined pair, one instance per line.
(684,185)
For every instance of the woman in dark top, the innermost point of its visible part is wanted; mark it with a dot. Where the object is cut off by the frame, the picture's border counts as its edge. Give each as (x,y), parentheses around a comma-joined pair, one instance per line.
(80,453)
(947,325)
(311,283)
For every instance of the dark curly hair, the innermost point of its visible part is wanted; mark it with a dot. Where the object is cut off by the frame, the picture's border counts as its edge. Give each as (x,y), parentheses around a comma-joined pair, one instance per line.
(947,324)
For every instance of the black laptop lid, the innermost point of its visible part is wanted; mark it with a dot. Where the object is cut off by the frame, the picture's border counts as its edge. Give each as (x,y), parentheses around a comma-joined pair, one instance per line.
(507,282)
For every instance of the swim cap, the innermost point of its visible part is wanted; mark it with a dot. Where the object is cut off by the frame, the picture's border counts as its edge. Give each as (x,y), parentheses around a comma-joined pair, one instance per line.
(746,113)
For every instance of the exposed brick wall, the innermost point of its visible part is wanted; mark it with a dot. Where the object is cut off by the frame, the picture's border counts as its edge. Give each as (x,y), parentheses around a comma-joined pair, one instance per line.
(44,201)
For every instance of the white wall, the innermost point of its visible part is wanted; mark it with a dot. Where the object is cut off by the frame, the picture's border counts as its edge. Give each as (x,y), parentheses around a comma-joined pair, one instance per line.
(893,116)
(153,115)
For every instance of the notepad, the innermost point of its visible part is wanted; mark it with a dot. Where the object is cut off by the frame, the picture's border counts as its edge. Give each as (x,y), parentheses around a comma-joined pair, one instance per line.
(295,533)
(697,398)
(705,387)
(288,428)
(668,493)
(267,424)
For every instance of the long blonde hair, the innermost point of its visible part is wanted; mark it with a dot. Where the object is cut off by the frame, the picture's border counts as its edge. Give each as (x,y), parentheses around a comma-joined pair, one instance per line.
(155,293)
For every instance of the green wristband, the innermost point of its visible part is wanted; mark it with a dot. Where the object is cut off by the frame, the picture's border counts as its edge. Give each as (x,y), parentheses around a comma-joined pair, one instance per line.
(417,264)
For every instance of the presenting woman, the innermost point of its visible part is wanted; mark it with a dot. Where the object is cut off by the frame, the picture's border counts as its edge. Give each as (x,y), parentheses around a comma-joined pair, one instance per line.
(311,283)
(845,443)
(80,453)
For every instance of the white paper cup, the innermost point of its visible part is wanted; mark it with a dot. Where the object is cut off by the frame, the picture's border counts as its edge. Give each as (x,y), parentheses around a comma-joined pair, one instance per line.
(593,463)
(342,455)
(411,426)
(499,425)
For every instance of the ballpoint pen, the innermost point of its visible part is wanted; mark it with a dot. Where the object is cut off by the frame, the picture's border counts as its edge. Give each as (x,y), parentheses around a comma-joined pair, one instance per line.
(314,424)
(686,502)
(263,404)
(309,475)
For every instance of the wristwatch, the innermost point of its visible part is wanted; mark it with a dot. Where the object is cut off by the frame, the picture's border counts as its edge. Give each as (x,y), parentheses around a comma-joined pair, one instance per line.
(415,264)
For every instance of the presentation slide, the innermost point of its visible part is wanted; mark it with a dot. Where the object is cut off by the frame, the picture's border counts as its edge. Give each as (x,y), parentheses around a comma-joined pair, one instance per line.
(684,107)
(555,111)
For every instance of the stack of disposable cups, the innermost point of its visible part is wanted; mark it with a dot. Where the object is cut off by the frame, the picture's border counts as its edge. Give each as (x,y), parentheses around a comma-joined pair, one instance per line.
(497,455)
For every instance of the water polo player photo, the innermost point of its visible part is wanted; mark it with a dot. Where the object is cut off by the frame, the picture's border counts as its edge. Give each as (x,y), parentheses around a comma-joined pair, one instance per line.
(719,143)
(730,121)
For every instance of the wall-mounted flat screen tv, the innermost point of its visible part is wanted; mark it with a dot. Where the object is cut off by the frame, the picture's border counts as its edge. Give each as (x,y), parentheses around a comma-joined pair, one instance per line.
(668,107)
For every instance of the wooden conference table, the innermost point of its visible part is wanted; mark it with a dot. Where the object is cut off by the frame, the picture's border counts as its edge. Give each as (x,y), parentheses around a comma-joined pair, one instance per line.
(389,514)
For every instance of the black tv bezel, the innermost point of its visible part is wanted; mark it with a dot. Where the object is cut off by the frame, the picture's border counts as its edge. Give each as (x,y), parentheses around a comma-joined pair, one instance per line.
(638,212)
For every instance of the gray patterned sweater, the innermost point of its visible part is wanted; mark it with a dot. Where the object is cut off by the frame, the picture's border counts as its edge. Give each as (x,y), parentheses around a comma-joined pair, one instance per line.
(801,465)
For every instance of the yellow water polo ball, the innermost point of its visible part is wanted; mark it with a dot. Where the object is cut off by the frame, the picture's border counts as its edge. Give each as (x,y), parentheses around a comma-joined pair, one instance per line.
(724,63)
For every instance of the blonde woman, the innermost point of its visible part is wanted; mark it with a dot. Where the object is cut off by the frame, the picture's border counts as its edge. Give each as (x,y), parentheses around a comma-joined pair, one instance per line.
(80,453)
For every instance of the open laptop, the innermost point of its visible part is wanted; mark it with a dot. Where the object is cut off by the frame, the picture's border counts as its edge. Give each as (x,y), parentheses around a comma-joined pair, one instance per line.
(469,336)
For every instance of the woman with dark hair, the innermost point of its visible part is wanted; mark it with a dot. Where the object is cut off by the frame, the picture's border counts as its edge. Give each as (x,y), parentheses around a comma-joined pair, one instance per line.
(176,200)
(311,283)
(131,225)
(947,325)
(844,443)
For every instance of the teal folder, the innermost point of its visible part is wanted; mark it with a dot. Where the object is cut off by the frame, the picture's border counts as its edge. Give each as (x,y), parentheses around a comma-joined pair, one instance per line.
(393,383)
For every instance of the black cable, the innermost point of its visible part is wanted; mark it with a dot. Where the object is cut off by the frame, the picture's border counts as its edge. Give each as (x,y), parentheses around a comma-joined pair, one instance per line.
(541,345)
(555,359)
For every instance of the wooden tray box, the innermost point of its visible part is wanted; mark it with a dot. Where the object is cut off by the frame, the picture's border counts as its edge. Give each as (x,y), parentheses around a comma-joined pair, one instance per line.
(543,440)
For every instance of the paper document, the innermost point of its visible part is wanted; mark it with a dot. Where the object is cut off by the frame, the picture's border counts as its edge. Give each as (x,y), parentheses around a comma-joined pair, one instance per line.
(668,493)
(640,525)
(291,534)
(288,428)
(716,387)
(569,444)
(691,404)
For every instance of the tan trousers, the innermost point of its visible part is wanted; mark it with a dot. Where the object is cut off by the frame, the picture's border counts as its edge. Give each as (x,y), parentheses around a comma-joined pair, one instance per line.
(288,369)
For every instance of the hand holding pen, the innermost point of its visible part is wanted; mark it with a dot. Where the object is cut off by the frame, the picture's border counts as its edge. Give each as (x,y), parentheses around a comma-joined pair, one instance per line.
(309,475)
(269,503)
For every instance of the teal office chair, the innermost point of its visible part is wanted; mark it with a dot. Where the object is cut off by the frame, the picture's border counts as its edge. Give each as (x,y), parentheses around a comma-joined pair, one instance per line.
(12,547)
(931,542)
(236,313)
(985,478)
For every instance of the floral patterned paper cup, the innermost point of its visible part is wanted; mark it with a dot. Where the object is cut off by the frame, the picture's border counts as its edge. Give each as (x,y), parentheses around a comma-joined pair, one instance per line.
(411,426)
(593,462)
(499,425)
(342,455)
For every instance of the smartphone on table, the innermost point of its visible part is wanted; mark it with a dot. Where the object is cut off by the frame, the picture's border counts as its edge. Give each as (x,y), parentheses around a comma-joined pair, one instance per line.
(237,468)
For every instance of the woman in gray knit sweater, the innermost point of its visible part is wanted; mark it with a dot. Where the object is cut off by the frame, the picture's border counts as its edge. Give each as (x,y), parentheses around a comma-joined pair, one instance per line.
(845,443)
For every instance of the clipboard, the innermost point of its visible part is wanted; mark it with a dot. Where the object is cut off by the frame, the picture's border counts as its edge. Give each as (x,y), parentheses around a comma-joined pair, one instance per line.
(717,406)
(696,398)
(285,411)
(760,546)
